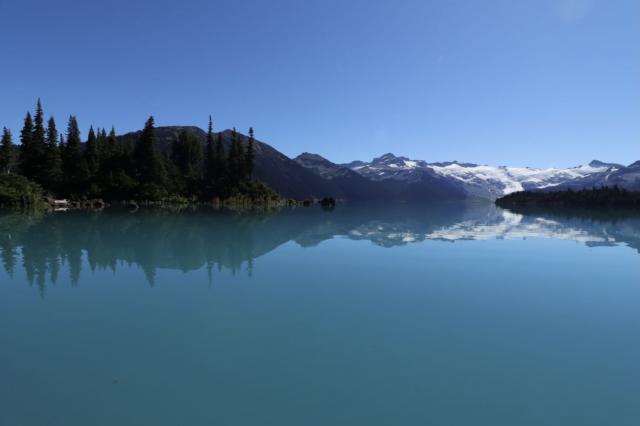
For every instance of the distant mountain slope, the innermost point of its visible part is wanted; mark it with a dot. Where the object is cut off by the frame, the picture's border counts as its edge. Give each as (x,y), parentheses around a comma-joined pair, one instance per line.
(627,177)
(346,183)
(478,180)
(420,185)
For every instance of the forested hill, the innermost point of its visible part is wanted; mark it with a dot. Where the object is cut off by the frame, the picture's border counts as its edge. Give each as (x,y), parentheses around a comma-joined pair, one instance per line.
(271,167)
(149,165)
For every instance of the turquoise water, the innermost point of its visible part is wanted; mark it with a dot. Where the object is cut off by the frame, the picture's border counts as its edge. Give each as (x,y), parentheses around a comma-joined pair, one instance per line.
(448,315)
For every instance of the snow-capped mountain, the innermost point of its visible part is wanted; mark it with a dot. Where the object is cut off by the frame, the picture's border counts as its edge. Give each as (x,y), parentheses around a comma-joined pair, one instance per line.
(389,166)
(485,181)
(494,182)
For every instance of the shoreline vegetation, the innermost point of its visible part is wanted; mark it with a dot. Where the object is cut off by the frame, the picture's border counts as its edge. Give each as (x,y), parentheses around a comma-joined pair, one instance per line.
(597,199)
(52,170)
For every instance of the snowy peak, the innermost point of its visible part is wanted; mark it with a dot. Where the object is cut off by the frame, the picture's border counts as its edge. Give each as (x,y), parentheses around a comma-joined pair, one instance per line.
(390,166)
(599,164)
(390,160)
(479,180)
(496,181)
(383,159)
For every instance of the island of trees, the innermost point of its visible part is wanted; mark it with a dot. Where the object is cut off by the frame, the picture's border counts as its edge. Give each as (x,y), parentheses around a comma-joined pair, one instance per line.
(51,164)
(595,198)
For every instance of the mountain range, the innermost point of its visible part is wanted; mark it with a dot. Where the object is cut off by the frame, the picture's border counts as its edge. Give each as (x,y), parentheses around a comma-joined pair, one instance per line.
(396,178)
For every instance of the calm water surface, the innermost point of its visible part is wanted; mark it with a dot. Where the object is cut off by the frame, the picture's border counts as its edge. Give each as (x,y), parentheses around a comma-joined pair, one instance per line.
(449,315)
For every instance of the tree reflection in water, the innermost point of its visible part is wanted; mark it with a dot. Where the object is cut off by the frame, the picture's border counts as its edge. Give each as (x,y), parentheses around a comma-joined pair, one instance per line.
(193,239)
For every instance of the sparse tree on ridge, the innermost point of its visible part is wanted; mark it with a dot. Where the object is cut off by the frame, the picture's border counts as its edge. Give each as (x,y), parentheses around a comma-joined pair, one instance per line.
(209,161)
(235,160)
(219,160)
(250,154)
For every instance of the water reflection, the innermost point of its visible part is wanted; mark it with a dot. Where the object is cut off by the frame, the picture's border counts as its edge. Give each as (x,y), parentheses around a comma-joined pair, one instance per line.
(43,243)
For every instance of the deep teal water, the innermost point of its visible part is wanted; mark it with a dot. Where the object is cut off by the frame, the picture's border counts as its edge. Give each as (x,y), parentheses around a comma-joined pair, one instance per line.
(449,315)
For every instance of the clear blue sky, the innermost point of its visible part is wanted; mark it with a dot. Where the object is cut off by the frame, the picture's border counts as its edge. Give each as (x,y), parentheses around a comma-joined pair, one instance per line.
(526,82)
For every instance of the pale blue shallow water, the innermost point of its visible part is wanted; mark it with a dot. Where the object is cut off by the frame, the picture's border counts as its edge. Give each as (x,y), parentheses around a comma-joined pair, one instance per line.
(450,315)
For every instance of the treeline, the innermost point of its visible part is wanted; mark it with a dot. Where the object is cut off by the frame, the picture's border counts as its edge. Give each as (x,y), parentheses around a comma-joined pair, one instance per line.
(604,197)
(103,167)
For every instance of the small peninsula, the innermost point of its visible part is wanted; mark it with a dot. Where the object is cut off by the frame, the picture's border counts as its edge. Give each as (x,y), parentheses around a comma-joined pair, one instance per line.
(49,167)
(595,198)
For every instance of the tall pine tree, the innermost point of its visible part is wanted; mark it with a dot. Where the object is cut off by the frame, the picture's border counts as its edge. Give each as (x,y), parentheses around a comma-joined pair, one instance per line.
(7,153)
(220,162)
(250,155)
(112,143)
(209,161)
(37,154)
(235,159)
(92,153)
(102,145)
(76,172)
(148,161)
(52,172)
(26,143)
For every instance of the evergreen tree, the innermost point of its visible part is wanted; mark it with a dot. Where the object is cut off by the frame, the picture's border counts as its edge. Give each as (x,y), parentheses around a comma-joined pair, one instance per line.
(92,153)
(7,153)
(209,163)
(102,145)
(52,133)
(187,154)
(112,142)
(108,153)
(33,146)
(250,154)
(38,149)
(76,172)
(219,160)
(148,161)
(52,172)
(38,127)
(236,159)
(26,143)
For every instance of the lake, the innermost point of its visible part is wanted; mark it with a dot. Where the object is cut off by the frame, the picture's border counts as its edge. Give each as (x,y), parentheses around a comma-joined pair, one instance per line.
(396,315)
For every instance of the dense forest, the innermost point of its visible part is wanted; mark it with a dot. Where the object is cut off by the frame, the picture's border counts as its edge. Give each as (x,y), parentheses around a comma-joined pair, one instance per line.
(60,165)
(600,198)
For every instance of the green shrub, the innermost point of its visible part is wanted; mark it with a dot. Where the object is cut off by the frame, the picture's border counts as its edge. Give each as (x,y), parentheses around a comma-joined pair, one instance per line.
(18,191)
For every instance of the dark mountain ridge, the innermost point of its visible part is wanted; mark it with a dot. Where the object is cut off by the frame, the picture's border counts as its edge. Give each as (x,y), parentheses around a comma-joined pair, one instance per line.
(310,176)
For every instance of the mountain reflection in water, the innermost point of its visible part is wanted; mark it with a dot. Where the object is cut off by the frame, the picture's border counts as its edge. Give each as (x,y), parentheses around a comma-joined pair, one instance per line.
(193,239)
